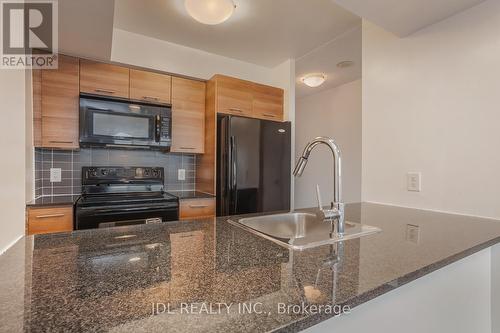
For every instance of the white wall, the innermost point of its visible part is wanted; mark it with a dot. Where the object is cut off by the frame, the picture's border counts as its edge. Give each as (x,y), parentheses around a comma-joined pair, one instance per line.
(431,104)
(334,113)
(12,147)
(454,299)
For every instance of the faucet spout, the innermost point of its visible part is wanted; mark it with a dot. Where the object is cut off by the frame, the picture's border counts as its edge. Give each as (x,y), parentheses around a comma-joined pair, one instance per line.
(337,210)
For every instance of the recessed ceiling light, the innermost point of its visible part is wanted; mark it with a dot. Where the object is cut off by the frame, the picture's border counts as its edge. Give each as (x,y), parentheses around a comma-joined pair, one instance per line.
(210,11)
(344,64)
(314,80)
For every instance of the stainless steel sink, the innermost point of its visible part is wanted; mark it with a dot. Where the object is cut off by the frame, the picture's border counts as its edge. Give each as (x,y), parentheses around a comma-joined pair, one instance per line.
(298,230)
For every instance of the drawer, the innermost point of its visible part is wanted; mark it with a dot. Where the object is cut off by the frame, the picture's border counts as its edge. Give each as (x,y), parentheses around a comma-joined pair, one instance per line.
(193,208)
(50,220)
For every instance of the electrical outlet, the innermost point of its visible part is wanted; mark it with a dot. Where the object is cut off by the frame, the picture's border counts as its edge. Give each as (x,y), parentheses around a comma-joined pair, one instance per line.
(55,175)
(414,181)
(181,174)
(413,233)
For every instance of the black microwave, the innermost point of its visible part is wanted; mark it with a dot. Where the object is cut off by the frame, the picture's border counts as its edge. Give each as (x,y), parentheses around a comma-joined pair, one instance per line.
(106,122)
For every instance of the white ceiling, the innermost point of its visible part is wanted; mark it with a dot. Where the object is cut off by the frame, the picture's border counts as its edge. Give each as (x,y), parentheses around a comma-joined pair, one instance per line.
(262,32)
(403,17)
(86,28)
(325,58)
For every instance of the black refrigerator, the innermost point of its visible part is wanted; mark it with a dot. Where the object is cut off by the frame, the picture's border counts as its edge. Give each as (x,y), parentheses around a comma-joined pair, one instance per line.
(253,165)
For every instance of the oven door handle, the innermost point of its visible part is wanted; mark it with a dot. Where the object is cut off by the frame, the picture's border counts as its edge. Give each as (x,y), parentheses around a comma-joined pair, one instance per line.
(127,209)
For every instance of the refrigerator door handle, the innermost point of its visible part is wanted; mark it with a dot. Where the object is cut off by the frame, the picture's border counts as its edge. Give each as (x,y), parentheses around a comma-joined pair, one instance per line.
(234,174)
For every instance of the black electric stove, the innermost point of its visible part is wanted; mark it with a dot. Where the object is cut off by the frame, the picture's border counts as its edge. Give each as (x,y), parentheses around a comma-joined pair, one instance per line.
(118,196)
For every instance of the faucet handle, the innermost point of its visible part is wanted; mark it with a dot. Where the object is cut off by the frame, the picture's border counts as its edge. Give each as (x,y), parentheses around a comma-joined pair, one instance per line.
(318,197)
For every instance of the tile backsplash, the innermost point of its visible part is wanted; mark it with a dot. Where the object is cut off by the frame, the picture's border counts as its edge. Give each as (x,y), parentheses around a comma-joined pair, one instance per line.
(71,163)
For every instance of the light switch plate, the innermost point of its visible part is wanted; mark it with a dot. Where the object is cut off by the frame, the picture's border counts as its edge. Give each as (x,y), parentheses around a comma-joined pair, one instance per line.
(55,175)
(414,181)
(181,174)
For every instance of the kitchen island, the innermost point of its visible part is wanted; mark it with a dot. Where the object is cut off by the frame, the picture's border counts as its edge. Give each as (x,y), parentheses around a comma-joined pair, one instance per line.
(212,276)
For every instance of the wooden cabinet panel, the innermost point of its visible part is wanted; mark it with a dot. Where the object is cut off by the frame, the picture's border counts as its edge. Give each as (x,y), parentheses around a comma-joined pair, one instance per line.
(60,105)
(267,102)
(234,96)
(195,208)
(46,220)
(188,116)
(104,79)
(150,87)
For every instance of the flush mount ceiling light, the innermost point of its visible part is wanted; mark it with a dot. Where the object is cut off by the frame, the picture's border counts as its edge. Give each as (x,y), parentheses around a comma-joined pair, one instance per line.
(210,11)
(314,80)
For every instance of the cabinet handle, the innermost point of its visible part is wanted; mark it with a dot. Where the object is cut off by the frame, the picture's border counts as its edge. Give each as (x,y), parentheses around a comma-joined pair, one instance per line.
(269,115)
(105,91)
(151,98)
(235,110)
(70,142)
(198,206)
(49,216)
(188,148)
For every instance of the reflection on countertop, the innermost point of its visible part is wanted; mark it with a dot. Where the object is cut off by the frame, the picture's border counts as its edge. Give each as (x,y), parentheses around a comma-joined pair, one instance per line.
(117,279)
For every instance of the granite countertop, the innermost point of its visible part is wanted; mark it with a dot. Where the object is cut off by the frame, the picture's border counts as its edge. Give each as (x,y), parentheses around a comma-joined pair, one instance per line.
(53,200)
(172,276)
(191,195)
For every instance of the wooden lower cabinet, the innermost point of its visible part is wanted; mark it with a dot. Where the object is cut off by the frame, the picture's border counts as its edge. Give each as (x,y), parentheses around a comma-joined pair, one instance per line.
(45,220)
(196,208)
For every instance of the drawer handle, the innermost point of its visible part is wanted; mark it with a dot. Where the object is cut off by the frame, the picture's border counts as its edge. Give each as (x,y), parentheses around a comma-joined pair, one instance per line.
(198,206)
(151,98)
(49,216)
(188,148)
(106,91)
(70,142)
(235,110)
(269,115)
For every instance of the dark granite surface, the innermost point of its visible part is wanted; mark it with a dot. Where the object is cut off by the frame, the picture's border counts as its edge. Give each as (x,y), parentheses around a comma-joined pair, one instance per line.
(108,280)
(191,194)
(53,200)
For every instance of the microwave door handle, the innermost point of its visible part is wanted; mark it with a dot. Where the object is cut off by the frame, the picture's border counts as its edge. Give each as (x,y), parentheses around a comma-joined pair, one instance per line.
(157,128)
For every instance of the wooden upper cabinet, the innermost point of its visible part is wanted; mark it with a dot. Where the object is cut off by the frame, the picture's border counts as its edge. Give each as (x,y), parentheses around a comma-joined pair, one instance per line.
(234,96)
(188,116)
(104,79)
(59,105)
(267,102)
(150,87)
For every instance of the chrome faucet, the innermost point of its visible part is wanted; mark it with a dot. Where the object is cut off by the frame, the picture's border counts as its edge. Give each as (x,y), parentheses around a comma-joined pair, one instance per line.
(336,210)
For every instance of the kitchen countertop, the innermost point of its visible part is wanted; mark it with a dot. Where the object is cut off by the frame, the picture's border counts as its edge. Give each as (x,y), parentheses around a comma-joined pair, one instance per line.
(191,194)
(116,279)
(53,200)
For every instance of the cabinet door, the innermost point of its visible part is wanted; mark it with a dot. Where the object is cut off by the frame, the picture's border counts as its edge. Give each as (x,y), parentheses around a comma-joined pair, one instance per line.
(60,105)
(188,116)
(234,96)
(267,102)
(50,220)
(196,208)
(104,79)
(150,87)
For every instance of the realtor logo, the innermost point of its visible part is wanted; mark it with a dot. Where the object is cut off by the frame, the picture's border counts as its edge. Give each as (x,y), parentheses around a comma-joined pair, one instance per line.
(29,34)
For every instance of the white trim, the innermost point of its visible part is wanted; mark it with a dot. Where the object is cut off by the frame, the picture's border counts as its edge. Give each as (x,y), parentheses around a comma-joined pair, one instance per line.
(10,245)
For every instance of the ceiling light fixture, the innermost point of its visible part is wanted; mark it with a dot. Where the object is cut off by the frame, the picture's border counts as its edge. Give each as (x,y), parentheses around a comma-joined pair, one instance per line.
(314,80)
(210,11)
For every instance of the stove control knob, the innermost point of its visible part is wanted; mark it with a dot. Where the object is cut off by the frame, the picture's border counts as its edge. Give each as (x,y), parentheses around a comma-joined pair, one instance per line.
(156,173)
(92,172)
(104,172)
(146,172)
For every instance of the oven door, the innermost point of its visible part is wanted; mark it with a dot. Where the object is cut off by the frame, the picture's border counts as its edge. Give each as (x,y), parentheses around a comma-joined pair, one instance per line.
(122,215)
(117,123)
